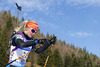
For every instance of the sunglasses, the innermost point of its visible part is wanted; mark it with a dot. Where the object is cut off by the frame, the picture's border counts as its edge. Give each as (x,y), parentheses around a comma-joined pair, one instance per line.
(32,30)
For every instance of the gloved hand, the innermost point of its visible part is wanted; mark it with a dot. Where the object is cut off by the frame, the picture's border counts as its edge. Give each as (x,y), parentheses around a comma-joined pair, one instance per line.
(41,41)
(53,40)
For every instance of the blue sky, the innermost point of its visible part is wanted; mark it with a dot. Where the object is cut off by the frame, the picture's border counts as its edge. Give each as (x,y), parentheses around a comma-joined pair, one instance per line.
(74,21)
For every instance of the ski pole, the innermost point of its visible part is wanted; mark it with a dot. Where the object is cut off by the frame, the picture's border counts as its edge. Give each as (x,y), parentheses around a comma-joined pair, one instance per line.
(49,52)
(22,56)
(48,56)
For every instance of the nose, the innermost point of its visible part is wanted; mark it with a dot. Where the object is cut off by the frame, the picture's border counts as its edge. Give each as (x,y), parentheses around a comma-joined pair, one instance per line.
(33,33)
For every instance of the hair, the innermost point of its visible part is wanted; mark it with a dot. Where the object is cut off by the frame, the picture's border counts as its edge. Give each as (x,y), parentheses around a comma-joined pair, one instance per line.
(21,28)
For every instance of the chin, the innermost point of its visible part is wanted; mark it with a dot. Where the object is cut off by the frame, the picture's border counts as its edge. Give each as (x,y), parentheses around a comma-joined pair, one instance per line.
(30,36)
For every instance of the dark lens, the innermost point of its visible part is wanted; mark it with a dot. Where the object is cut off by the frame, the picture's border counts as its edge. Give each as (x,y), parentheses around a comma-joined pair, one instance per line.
(33,31)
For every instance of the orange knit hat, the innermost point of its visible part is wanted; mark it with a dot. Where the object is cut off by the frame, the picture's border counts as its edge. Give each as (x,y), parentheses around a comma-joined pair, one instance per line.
(32,24)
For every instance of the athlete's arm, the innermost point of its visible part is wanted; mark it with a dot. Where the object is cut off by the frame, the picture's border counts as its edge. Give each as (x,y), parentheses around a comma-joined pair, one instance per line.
(19,42)
(46,44)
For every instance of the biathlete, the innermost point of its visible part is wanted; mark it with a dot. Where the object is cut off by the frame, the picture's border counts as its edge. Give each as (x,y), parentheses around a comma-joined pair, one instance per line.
(22,42)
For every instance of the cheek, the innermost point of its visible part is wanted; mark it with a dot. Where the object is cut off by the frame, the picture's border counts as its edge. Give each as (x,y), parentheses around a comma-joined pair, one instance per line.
(29,34)
(33,33)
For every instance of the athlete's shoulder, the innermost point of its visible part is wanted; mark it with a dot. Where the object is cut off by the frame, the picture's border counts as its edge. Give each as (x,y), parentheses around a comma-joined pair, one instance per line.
(19,36)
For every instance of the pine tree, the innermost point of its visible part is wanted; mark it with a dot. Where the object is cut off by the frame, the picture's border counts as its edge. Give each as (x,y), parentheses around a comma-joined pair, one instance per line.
(32,59)
(4,45)
(76,62)
(57,59)
(0,32)
(68,61)
(81,62)
(5,36)
(47,36)
(22,19)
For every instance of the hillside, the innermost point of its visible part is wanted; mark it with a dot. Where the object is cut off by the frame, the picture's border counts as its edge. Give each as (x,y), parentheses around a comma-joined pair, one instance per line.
(62,54)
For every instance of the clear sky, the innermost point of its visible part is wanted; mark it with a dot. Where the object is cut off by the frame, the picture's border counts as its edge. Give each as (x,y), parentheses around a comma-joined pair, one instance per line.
(74,21)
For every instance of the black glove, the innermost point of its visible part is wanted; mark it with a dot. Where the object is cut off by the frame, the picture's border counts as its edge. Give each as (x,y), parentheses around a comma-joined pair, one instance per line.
(41,41)
(53,40)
